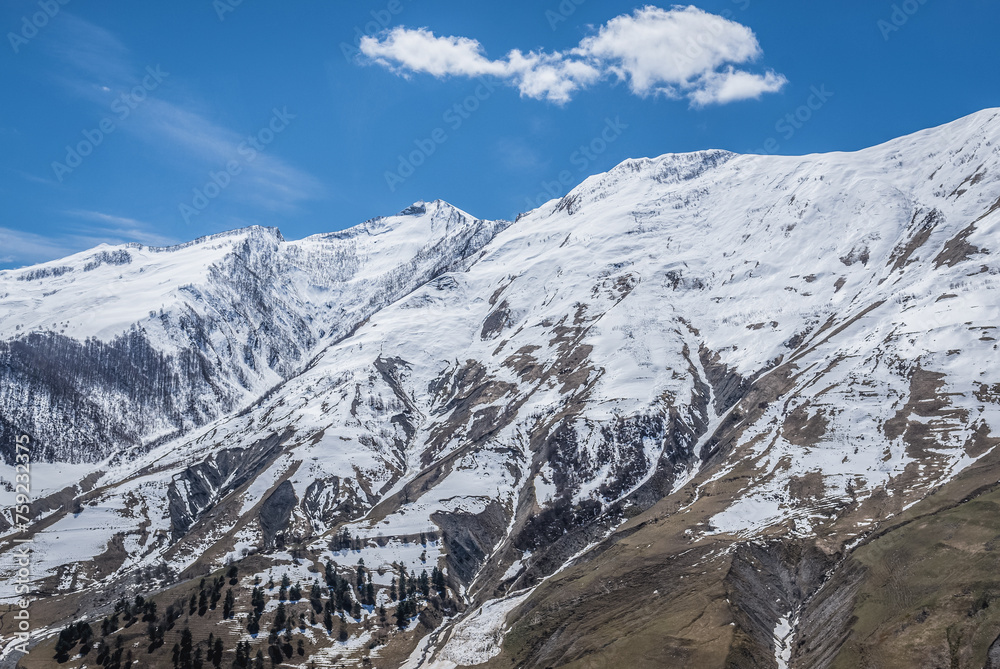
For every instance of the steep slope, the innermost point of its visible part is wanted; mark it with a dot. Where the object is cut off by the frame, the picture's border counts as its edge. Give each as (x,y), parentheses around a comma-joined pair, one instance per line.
(121,346)
(649,421)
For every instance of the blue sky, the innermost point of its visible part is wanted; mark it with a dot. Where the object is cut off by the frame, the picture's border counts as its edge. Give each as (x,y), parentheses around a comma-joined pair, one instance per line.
(198,116)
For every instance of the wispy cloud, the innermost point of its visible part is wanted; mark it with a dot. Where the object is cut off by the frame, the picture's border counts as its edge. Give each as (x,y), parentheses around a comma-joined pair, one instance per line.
(19,247)
(90,60)
(96,65)
(26,248)
(682,52)
(267,181)
(119,229)
(93,66)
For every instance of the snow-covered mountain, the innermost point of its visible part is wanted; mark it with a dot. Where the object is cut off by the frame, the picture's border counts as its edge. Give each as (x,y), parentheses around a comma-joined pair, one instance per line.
(749,372)
(119,347)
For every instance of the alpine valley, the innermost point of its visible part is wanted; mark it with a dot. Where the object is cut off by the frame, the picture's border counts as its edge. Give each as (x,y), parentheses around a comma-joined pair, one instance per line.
(707,410)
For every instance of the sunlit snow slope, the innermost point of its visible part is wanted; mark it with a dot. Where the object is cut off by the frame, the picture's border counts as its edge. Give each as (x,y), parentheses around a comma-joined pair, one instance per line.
(113,348)
(784,343)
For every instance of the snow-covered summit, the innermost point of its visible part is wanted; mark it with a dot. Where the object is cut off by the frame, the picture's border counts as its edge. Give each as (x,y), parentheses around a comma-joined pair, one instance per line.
(223,318)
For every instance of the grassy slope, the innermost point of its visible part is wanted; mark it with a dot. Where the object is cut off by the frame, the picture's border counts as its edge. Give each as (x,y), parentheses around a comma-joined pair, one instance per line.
(931,592)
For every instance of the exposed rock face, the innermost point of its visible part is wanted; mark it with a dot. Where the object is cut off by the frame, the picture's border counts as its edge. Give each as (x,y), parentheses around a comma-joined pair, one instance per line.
(199,487)
(276,512)
(993,657)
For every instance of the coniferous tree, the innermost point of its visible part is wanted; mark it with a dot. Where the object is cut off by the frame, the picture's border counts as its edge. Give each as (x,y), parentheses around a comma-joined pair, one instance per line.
(217,654)
(228,604)
(86,637)
(63,646)
(185,658)
(280,617)
(257,600)
(439,582)
(243,655)
(216,596)
(233,575)
(102,652)
(316,597)
(151,633)
(425,584)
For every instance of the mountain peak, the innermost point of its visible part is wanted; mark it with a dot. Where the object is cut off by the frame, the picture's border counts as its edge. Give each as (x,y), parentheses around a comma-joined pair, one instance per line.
(418,208)
(421,207)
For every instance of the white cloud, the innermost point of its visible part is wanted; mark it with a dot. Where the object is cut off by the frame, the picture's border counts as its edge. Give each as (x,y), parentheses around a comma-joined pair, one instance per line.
(683,52)
(420,50)
(550,76)
(732,85)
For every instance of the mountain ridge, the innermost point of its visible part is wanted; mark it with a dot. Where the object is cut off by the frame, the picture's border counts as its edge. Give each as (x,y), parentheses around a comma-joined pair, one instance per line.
(705,373)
